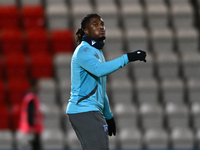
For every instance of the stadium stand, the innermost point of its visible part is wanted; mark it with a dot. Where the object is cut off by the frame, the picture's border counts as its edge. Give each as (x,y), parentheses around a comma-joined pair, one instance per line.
(16,66)
(41,65)
(12,41)
(16,89)
(62,41)
(37,41)
(156,104)
(6,139)
(33,17)
(30,2)
(130,138)
(9,16)
(56,17)
(151,116)
(8,2)
(132,14)
(156,138)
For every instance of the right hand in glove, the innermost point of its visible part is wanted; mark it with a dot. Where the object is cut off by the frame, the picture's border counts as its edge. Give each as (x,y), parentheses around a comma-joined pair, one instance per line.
(137,55)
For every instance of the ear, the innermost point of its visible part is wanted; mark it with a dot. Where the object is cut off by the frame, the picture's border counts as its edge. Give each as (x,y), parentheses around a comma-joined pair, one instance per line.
(86,31)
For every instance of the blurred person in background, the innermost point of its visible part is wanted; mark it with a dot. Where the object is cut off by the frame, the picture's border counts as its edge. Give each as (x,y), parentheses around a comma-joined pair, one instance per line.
(31,120)
(88,108)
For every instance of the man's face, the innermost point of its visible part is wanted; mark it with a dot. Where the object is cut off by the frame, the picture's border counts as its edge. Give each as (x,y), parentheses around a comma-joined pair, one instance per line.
(95,28)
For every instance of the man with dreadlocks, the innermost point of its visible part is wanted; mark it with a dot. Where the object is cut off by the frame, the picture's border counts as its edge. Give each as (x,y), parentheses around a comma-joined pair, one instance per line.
(88,108)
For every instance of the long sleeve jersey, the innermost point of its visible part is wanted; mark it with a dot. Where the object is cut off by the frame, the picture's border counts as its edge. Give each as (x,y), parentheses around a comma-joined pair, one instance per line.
(88,69)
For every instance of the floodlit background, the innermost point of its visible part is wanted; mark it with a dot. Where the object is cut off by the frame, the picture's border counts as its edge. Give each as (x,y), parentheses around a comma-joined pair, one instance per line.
(156,104)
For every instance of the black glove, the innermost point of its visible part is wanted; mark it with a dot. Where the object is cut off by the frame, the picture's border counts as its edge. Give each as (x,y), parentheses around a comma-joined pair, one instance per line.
(137,55)
(111,127)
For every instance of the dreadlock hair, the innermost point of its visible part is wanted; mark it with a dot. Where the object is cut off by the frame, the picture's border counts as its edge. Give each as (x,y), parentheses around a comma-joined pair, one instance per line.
(80,31)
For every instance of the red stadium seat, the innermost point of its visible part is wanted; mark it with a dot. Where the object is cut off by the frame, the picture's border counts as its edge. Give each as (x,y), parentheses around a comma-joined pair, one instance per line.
(15,116)
(37,41)
(4,118)
(9,17)
(11,41)
(16,90)
(2,93)
(33,17)
(41,65)
(62,41)
(16,66)
(1,68)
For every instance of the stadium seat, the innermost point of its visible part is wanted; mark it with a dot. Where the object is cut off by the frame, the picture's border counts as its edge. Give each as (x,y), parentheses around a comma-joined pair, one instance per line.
(4,113)
(55,2)
(154,2)
(30,2)
(122,91)
(123,74)
(16,66)
(17,89)
(182,138)
(47,92)
(137,39)
(33,17)
(197,138)
(64,88)
(151,116)
(108,11)
(4,118)
(6,139)
(52,139)
(127,115)
(12,41)
(114,44)
(157,15)
(187,40)
(142,70)
(52,116)
(1,68)
(41,65)
(113,142)
(71,140)
(177,115)
(182,15)
(3,93)
(172,90)
(79,9)
(7,2)
(132,14)
(156,139)
(62,41)
(147,90)
(15,116)
(9,17)
(191,67)
(62,65)
(178,2)
(195,115)
(130,138)
(162,40)
(167,65)
(37,41)
(57,16)
(193,86)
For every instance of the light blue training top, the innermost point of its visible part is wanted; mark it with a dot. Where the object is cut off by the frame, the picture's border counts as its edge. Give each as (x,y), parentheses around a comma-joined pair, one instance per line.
(88,69)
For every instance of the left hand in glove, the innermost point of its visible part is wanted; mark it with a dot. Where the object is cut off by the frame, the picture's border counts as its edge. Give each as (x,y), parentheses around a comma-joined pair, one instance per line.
(111,127)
